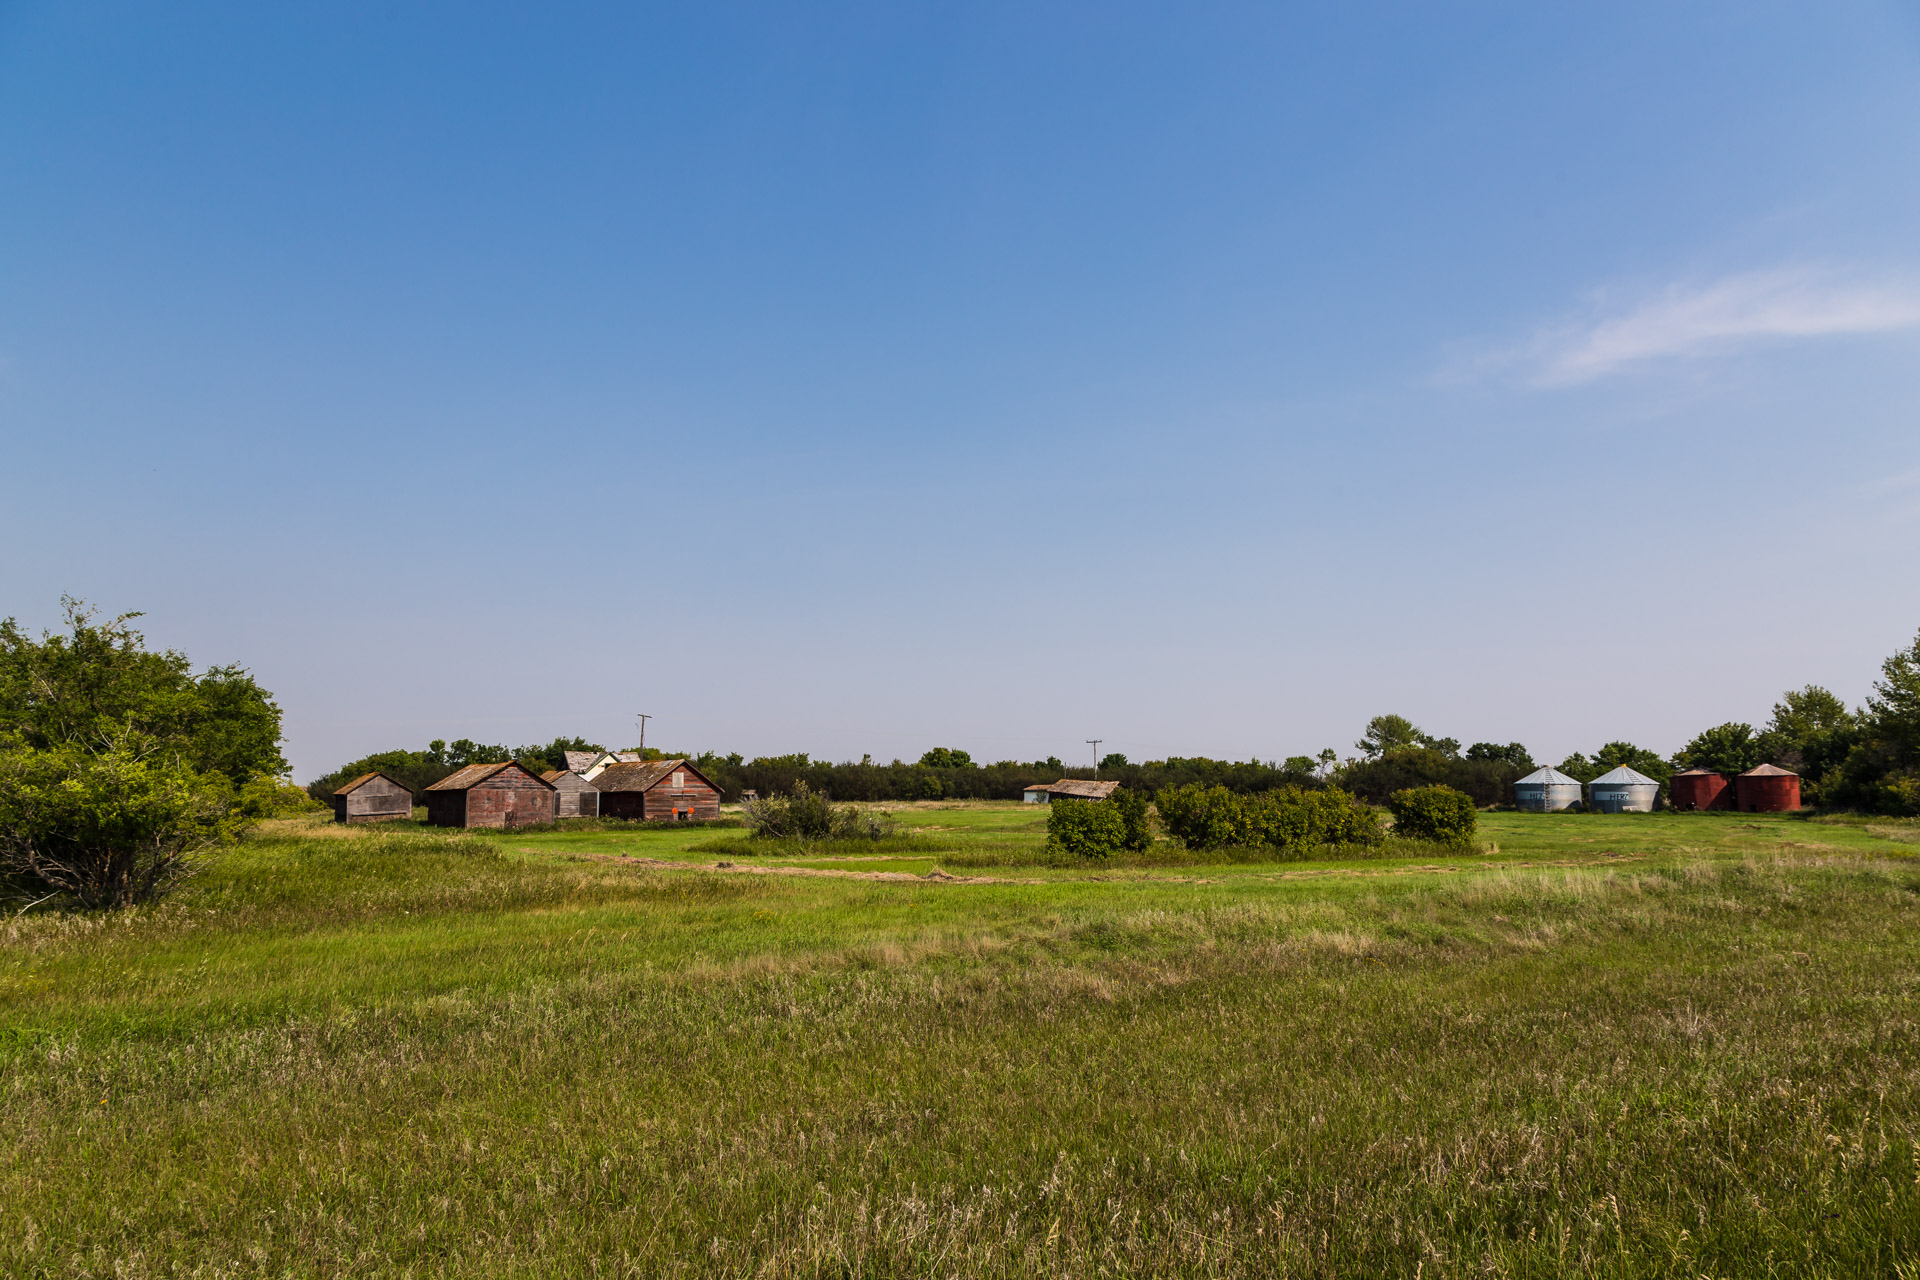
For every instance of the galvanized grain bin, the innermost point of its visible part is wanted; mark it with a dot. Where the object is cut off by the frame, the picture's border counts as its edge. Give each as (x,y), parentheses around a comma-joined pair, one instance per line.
(1546,790)
(1623,791)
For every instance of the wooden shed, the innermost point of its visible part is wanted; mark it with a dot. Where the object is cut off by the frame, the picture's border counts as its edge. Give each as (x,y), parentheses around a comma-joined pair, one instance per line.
(491,795)
(657,790)
(1080,789)
(372,797)
(588,764)
(574,796)
(1035,793)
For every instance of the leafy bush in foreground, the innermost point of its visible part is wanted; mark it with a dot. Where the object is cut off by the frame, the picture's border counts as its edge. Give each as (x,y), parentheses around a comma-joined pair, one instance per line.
(1086,828)
(1288,818)
(1439,814)
(114,827)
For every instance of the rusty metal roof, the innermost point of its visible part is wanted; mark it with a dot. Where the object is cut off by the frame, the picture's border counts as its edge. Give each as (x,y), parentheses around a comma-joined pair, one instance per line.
(361,781)
(643,775)
(636,775)
(1080,789)
(1698,771)
(475,774)
(1769,771)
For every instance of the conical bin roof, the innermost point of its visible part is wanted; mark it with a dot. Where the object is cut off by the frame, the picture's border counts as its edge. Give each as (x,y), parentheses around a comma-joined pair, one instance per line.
(1623,777)
(1548,776)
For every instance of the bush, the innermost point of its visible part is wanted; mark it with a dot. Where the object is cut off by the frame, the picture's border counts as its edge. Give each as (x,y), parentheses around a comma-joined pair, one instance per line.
(1137,828)
(1086,828)
(806,814)
(115,827)
(1439,814)
(1288,818)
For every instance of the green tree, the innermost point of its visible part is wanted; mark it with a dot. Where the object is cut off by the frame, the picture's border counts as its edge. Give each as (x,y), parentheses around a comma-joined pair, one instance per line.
(1893,710)
(1389,733)
(1134,807)
(947,758)
(1113,760)
(1726,748)
(1512,753)
(99,683)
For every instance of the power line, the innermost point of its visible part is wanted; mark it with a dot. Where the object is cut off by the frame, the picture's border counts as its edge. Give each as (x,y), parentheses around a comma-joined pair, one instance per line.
(643,734)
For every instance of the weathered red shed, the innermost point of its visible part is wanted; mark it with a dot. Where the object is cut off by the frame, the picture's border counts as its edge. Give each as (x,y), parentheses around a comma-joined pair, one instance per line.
(1767,788)
(574,796)
(372,797)
(1699,790)
(656,790)
(491,795)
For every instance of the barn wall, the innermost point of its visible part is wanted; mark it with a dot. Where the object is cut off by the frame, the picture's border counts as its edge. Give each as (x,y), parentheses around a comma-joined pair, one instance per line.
(510,798)
(374,801)
(697,800)
(575,797)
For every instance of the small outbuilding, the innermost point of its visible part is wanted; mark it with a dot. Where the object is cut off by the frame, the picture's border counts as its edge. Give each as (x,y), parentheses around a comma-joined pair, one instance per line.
(1697,790)
(1034,793)
(1623,790)
(657,791)
(491,795)
(1767,788)
(574,796)
(588,764)
(372,797)
(1546,790)
(1080,789)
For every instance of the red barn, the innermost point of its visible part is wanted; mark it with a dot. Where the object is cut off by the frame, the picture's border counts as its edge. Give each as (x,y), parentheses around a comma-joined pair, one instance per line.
(1699,790)
(656,790)
(491,795)
(1767,789)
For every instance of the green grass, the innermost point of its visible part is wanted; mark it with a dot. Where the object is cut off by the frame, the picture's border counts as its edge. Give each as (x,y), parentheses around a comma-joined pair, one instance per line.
(1643,1045)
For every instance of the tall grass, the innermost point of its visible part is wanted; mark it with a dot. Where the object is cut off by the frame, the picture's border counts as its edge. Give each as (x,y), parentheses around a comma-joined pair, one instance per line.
(432,1056)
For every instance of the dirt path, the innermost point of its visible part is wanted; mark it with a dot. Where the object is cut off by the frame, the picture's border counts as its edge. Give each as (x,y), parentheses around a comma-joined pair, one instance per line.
(938,876)
(935,876)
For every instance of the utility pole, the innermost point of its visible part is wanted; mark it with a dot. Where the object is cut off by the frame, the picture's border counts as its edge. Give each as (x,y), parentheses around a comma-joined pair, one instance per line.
(643,734)
(1095,744)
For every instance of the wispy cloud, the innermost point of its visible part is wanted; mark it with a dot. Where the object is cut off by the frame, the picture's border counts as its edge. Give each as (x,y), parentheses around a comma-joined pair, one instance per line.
(1693,320)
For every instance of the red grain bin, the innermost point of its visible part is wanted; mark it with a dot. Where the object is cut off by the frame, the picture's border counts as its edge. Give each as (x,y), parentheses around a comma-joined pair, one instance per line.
(1767,789)
(1697,790)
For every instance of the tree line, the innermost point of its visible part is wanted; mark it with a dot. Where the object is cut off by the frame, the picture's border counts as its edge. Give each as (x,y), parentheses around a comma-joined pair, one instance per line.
(1867,759)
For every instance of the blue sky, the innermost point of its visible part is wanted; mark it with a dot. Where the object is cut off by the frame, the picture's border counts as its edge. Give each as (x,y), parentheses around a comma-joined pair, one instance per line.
(864,378)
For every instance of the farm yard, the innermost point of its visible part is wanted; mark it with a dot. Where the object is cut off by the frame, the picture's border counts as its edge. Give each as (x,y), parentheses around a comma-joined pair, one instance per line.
(1635,1045)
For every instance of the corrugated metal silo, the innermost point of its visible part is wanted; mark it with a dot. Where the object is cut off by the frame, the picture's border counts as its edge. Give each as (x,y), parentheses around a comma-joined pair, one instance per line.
(1698,790)
(1546,790)
(1623,790)
(1767,789)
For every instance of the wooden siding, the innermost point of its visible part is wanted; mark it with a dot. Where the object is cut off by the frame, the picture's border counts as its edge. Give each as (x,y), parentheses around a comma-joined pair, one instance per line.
(662,802)
(375,800)
(575,797)
(510,798)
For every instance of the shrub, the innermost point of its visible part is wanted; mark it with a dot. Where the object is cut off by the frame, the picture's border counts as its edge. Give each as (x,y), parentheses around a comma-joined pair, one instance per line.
(806,814)
(1439,814)
(1086,828)
(1287,818)
(1204,817)
(1134,808)
(115,827)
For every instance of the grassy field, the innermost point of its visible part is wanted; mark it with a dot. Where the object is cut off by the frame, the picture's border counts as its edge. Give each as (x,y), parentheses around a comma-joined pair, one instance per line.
(1645,1045)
